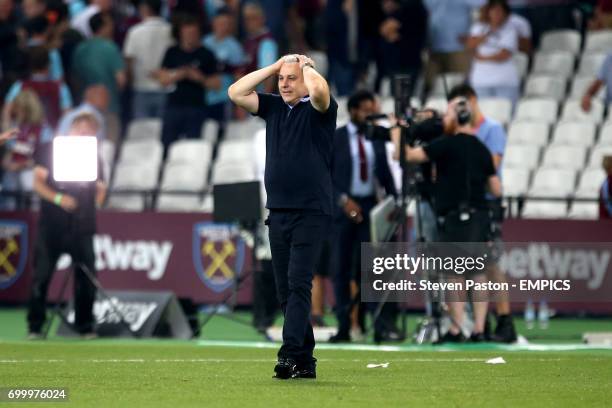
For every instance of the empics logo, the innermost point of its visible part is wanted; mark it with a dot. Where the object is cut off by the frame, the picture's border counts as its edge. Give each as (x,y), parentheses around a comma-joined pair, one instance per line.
(218,254)
(13,251)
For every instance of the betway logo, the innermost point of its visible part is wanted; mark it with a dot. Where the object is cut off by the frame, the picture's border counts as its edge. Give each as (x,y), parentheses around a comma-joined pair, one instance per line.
(134,313)
(540,261)
(149,256)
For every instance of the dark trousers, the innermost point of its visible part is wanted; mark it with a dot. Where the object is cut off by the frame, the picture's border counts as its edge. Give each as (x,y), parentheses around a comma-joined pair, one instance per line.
(48,249)
(295,241)
(347,239)
(183,121)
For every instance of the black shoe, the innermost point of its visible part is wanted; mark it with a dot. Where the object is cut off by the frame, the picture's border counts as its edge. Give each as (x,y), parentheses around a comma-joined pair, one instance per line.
(388,336)
(285,368)
(505,331)
(308,370)
(451,338)
(340,338)
(477,338)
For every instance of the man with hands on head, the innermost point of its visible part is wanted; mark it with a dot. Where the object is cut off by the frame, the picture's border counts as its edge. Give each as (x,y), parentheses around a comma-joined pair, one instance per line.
(300,125)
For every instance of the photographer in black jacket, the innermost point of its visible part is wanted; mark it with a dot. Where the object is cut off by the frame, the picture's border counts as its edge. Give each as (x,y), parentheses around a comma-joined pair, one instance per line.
(463,172)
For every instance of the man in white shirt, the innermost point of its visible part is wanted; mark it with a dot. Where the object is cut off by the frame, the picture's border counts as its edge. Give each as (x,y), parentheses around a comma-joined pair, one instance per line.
(144,48)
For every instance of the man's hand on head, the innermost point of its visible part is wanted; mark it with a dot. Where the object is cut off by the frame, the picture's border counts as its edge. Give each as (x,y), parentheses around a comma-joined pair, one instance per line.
(305,60)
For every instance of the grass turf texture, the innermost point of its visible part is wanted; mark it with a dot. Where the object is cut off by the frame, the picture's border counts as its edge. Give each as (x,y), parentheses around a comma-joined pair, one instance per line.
(152,373)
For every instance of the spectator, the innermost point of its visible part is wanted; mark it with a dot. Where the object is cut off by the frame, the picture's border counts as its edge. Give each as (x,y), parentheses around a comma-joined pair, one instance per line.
(449,26)
(494,73)
(95,103)
(39,34)
(144,48)
(341,34)
(27,116)
(81,21)
(33,8)
(54,95)
(229,53)
(192,70)
(604,78)
(602,19)
(11,59)
(65,38)
(523,29)
(403,33)
(260,47)
(99,61)
(605,193)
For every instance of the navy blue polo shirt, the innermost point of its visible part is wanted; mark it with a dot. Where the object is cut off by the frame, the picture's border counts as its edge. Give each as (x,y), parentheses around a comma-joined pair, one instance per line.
(299,143)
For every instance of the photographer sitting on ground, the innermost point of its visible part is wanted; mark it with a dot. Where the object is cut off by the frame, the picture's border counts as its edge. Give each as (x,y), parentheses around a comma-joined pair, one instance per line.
(464,170)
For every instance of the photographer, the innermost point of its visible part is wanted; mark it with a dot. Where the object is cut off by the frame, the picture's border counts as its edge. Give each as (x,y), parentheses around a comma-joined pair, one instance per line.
(66,224)
(464,170)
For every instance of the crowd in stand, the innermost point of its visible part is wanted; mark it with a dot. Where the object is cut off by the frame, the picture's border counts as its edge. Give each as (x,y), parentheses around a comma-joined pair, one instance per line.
(174,60)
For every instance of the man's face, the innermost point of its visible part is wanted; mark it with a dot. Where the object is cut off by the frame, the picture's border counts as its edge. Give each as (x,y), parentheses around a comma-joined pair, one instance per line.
(496,16)
(222,25)
(366,108)
(291,83)
(190,36)
(253,20)
(33,8)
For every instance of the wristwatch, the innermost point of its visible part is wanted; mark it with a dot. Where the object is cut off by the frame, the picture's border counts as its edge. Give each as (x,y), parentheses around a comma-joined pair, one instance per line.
(308,64)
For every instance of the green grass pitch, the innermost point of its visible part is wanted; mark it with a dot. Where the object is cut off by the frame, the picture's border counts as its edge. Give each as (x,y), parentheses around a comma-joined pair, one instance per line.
(202,373)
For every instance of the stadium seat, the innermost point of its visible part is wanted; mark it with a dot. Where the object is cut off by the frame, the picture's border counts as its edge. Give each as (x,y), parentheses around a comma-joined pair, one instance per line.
(515,181)
(572,111)
(584,211)
(233,151)
(438,104)
(233,173)
(555,182)
(590,183)
(605,135)
(144,129)
(452,79)
(183,177)
(210,131)
(141,151)
(522,63)
(581,84)
(499,109)
(598,40)
(196,152)
(540,109)
(575,133)
(132,176)
(557,63)
(544,209)
(564,157)
(179,202)
(107,152)
(590,63)
(561,40)
(243,129)
(528,133)
(597,154)
(521,157)
(545,86)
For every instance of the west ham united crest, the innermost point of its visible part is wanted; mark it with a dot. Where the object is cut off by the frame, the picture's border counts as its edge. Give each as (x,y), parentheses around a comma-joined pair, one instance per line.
(218,254)
(13,251)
